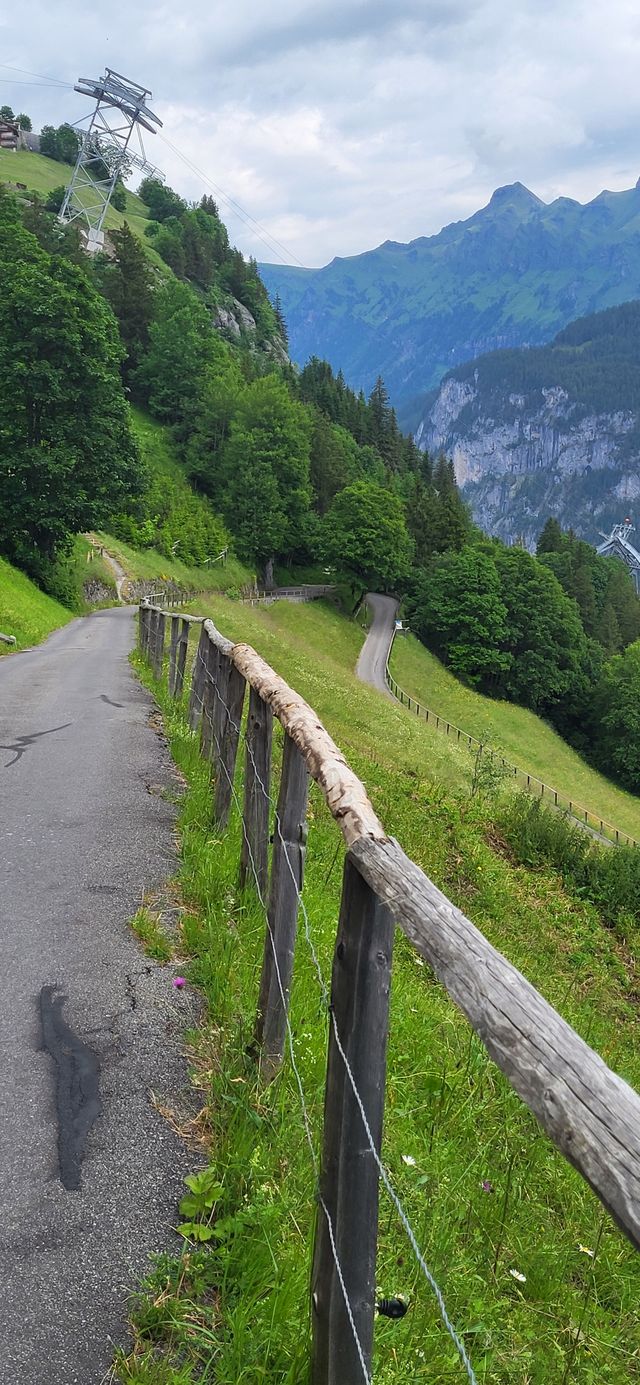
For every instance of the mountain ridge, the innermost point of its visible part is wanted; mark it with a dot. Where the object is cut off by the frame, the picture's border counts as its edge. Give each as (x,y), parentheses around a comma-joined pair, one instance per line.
(513,274)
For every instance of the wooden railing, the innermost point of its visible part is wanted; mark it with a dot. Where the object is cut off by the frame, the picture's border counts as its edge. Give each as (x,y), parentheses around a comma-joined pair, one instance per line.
(310,592)
(590,1113)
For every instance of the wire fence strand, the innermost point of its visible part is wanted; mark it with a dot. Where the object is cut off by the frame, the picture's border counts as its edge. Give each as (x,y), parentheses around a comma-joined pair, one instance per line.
(384,1175)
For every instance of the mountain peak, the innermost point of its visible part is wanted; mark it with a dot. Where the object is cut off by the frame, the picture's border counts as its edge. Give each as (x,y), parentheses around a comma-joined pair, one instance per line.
(515,195)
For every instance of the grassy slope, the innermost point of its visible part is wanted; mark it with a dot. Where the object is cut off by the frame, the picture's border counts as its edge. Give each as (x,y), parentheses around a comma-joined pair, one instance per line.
(25,611)
(43,175)
(448,1108)
(523,738)
(157,451)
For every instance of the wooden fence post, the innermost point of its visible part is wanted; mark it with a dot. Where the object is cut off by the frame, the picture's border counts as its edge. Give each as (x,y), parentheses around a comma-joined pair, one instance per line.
(282,913)
(181,660)
(198,680)
(143,630)
(173,652)
(225,758)
(151,633)
(157,653)
(257,781)
(211,657)
(360,987)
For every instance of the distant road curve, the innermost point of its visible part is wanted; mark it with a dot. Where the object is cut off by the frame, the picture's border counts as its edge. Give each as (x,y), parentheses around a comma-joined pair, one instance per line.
(372,663)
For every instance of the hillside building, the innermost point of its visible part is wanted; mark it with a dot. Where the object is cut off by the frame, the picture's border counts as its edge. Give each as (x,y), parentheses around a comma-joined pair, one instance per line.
(9,135)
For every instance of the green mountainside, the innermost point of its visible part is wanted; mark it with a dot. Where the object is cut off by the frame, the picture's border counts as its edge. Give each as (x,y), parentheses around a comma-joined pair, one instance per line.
(513,274)
(548,430)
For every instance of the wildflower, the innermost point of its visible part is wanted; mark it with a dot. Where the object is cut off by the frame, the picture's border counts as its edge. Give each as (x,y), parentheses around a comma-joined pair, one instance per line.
(486,1185)
(516,1274)
(585,1251)
(409,1159)
(178,982)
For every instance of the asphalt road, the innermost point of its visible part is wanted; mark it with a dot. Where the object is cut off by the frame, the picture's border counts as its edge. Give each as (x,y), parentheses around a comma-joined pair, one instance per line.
(84,830)
(375,650)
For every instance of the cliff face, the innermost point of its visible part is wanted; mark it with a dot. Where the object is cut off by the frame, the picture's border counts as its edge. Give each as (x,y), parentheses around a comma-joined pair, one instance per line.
(555,431)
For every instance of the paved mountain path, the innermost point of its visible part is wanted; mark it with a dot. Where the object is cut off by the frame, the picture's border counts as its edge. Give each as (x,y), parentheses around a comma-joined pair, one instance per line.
(375,650)
(84,830)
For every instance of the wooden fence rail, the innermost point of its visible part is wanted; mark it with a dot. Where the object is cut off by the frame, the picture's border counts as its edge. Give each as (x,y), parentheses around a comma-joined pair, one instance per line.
(590,1113)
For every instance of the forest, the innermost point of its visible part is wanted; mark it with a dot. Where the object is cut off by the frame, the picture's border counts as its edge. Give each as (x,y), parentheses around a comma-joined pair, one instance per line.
(295,466)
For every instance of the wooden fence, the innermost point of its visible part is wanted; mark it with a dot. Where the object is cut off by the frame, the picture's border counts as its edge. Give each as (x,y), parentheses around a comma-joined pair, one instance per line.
(310,592)
(590,1113)
(556,797)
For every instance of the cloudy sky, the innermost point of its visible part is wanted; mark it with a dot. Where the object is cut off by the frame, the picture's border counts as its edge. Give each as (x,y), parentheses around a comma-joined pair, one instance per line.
(338,124)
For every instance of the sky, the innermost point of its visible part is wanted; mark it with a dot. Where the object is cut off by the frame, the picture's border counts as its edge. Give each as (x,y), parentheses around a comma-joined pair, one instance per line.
(338,124)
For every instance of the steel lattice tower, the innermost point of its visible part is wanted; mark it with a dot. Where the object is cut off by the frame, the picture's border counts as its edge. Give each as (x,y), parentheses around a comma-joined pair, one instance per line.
(106,151)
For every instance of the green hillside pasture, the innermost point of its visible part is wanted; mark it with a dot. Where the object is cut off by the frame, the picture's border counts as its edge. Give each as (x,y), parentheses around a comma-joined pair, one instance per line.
(486,1192)
(523,738)
(43,175)
(25,611)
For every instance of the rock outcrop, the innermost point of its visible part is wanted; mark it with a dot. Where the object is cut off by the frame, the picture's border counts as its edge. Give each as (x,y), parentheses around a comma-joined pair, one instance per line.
(550,431)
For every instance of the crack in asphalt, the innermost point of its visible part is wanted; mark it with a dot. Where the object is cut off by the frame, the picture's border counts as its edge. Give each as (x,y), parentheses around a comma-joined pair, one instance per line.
(78,1102)
(109,700)
(21,745)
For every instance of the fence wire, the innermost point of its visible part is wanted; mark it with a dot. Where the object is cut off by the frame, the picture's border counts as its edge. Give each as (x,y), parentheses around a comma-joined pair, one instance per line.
(324,989)
(296,1071)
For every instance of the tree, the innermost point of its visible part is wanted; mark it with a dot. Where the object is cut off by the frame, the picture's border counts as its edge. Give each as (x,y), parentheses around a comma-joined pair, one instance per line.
(68,459)
(264,475)
(214,411)
(55,198)
(67,144)
(119,196)
(544,632)
(452,522)
(24,121)
(48,142)
(6,113)
(458,611)
(181,345)
(551,538)
(162,201)
(617,717)
(126,279)
(365,535)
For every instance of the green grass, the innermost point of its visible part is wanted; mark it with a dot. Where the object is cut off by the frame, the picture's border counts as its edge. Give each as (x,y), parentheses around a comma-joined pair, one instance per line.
(523,738)
(42,175)
(236,1311)
(154,940)
(25,611)
(146,563)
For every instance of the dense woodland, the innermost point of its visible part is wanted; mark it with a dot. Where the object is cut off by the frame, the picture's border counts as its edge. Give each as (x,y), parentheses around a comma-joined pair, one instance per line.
(295,467)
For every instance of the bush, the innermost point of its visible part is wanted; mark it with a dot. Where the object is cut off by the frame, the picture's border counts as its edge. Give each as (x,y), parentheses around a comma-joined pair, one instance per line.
(608,876)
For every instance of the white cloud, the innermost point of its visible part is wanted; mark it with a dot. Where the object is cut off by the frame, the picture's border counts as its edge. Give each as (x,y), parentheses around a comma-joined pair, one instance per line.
(342,123)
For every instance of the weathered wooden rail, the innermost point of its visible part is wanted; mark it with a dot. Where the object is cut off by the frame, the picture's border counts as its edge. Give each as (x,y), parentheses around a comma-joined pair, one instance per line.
(591,1114)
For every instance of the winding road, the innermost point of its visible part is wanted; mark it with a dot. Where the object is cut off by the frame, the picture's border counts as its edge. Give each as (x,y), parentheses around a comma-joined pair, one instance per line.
(89,1028)
(372,662)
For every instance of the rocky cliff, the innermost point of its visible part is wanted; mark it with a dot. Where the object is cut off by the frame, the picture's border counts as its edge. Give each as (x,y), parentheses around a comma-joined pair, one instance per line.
(550,431)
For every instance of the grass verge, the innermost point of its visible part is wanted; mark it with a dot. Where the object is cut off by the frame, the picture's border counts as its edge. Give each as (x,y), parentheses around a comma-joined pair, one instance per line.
(522,737)
(486,1192)
(25,610)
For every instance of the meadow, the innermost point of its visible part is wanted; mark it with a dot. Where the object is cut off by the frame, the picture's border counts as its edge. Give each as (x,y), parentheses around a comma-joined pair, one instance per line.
(523,738)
